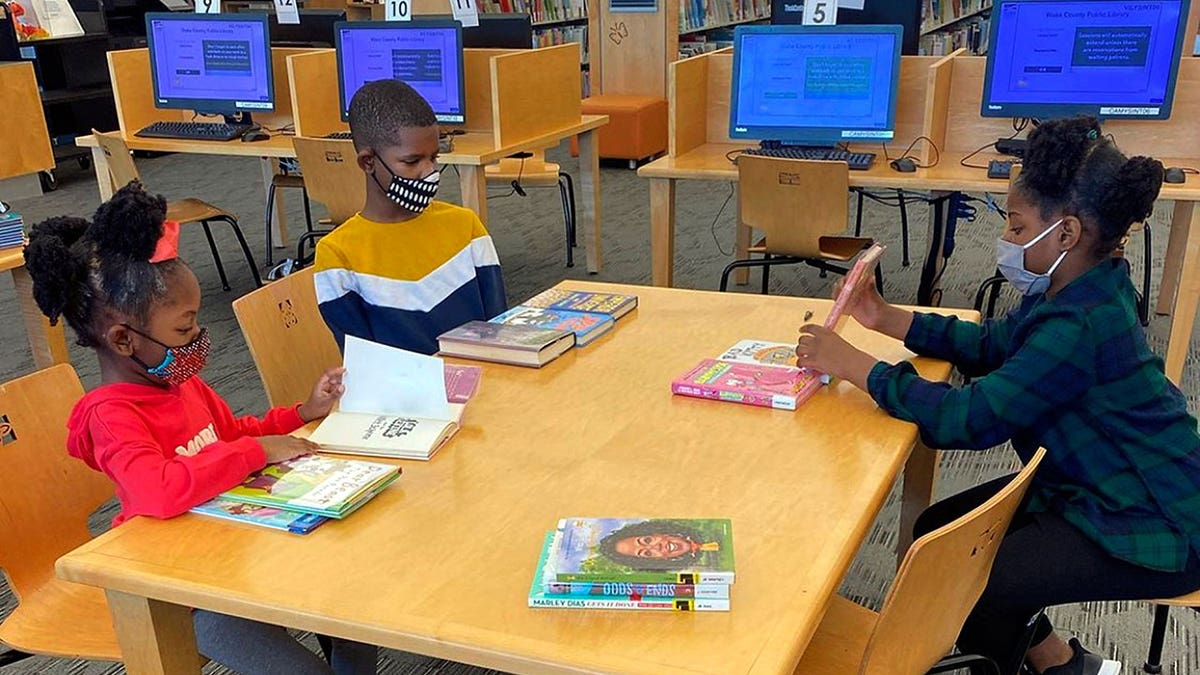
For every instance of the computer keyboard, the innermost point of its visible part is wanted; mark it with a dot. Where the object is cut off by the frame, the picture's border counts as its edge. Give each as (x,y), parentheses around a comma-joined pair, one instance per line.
(858,161)
(339,136)
(999,168)
(197,131)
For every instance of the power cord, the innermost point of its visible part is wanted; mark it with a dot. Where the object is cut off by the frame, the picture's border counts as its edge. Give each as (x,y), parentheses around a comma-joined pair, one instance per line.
(1019,124)
(713,228)
(937,153)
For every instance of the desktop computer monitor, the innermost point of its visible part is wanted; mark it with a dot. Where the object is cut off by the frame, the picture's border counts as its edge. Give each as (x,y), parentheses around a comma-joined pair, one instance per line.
(815,85)
(211,63)
(511,30)
(1111,59)
(314,30)
(424,53)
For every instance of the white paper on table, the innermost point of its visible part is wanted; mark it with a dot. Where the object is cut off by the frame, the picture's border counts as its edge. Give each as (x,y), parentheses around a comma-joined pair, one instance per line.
(383,380)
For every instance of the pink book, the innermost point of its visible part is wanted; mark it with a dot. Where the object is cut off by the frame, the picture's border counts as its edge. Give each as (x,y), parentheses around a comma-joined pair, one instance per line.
(766,386)
(862,272)
(461,382)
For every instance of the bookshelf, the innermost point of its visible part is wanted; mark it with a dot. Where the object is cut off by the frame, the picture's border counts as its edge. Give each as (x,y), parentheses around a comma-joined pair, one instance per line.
(949,25)
(555,22)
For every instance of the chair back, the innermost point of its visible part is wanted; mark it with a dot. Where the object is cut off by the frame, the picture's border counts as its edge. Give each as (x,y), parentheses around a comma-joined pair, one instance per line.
(938,583)
(288,339)
(801,205)
(46,495)
(332,176)
(121,168)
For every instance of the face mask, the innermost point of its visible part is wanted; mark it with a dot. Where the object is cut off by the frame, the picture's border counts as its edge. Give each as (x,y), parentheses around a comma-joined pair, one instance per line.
(1010,258)
(179,364)
(410,194)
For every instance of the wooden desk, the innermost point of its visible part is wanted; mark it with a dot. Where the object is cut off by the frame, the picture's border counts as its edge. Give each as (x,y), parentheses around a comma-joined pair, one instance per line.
(48,343)
(441,562)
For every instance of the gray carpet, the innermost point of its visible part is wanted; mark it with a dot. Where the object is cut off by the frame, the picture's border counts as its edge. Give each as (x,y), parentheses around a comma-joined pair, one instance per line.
(529,237)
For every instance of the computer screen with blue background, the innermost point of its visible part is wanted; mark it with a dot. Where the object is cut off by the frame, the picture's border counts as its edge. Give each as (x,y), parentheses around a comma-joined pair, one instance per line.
(425,54)
(1099,57)
(211,63)
(815,84)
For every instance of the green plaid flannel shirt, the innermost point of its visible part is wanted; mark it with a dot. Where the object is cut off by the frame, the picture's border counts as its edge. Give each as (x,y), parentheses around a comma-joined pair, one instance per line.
(1073,374)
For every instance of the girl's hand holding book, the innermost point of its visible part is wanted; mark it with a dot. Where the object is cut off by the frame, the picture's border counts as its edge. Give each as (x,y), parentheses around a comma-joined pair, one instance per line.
(326,392)
(824,350)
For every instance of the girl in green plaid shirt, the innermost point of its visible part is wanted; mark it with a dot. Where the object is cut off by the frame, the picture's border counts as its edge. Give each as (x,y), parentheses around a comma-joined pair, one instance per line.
(1114,512)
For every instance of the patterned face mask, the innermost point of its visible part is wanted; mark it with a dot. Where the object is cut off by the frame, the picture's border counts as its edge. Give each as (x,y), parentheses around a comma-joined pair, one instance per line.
(179,364)
(413,195)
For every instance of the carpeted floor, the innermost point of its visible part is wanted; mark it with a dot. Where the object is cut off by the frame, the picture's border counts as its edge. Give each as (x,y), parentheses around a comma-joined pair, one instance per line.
(529,237)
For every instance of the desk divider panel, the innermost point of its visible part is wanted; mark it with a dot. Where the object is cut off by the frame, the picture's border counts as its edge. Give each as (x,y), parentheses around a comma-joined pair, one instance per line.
(314,86)
(25,139)
(536,92)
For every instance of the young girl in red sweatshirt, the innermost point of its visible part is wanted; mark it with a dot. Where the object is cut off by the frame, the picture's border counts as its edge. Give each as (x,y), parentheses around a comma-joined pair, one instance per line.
(163,436)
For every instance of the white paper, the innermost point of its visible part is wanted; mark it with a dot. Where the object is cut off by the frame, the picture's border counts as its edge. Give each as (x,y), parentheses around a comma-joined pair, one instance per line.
(383,380)
(816,12)
(287,12)
(208,6)
(397,10)
(466,12)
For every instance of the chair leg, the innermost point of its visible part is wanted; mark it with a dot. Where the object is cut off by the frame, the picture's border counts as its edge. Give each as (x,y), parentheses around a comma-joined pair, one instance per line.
(326,644)
(307,209)
(989,292)
(1158,634)
(12,656)
(858,215)
(212,245)
(574,213)
(237,230)
(568,225)
(903,228)
(269,235)
(766,274)
(978,665)
(1144,301)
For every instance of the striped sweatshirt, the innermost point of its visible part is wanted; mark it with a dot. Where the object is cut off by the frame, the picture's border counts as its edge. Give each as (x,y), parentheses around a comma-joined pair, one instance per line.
(404,284)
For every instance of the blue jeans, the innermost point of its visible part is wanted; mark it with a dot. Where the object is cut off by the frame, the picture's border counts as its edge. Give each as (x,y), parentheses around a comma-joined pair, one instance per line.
(254,648)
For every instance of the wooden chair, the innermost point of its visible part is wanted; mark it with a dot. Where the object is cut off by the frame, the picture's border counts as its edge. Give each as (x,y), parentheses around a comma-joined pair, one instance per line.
(46,497)
(937,585)
(802,208)
(288,339)
(535,171)
(190,210)
(331,172)
(288,177)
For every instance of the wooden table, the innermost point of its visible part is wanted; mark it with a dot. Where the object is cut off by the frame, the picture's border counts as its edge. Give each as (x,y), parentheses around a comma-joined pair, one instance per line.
(1181,272)
(472,151)
(48,343)
(441,562)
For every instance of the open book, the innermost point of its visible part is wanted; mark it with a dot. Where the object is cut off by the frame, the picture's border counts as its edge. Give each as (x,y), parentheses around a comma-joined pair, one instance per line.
(394,406)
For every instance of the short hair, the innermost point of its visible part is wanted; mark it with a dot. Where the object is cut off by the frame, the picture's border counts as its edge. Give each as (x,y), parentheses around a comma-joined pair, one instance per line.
(380,109)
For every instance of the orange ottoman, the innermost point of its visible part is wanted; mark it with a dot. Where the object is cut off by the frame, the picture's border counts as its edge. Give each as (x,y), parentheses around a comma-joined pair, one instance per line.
(636,129)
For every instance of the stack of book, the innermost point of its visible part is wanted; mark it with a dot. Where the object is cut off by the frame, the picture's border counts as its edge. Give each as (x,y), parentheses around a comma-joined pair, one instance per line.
(539,330)
(12,230)
(301,494)
(664,564)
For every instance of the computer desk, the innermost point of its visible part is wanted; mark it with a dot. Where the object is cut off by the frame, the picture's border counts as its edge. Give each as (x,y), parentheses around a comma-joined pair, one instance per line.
(441,562)
(947,95)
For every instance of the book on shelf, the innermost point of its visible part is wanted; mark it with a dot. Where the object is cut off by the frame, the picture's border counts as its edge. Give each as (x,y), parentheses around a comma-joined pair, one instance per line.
(501,343)
(540,594)
(325,486)
(644,550)
(781,388)
(395,404)
(587,326)
(539,11)
(695,15)
(43,19)
(262,516)
(615,305)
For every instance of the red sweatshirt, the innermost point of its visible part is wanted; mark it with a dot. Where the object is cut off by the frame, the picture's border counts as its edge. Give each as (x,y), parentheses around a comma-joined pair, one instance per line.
(169,449)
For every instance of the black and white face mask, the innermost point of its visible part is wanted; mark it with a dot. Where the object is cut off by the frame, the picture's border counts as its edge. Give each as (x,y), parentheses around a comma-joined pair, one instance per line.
(410,194)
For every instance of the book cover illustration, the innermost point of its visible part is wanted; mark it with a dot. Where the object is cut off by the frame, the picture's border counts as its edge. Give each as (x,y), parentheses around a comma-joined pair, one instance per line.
(586,326)
(265,516)
(762,352)
(645,550)
(313,484)
(522,337)
(764,386)
(613,304)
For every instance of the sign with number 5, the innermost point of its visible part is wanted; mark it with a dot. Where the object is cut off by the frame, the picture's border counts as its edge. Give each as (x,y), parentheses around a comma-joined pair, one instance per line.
(820,12)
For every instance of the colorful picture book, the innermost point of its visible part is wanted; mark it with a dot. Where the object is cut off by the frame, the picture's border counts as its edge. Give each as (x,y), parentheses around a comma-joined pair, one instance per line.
(43,19)
(325,486)
(863,272)
(262,516)
(502,343)
(644,550)
(750,384)
(12,230)
(762,352)
(542,591)
(612,304)
(587,326)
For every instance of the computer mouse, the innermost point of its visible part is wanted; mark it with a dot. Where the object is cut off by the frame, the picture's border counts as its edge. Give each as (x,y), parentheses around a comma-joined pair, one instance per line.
(1174,174)
(255,135)
(904,164)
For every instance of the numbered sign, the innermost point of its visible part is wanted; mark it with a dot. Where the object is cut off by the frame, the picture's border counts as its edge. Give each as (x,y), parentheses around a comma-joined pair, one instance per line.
(287,12)
(397,10)
(466,12)
(820,12)
(208,6)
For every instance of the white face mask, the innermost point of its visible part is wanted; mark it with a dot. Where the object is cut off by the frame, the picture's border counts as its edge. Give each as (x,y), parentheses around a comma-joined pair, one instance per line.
(1010,258)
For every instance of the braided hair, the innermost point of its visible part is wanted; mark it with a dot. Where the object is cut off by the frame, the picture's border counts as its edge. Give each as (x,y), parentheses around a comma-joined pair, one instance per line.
(1071,168)
(82,269)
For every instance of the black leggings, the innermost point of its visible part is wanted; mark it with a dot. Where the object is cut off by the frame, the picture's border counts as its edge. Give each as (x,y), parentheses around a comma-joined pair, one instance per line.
(1044,561)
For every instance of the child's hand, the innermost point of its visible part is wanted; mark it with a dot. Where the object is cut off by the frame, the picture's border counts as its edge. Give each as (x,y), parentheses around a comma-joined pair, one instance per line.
(824,350)
(327,392)
(866,305)
(280,448)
